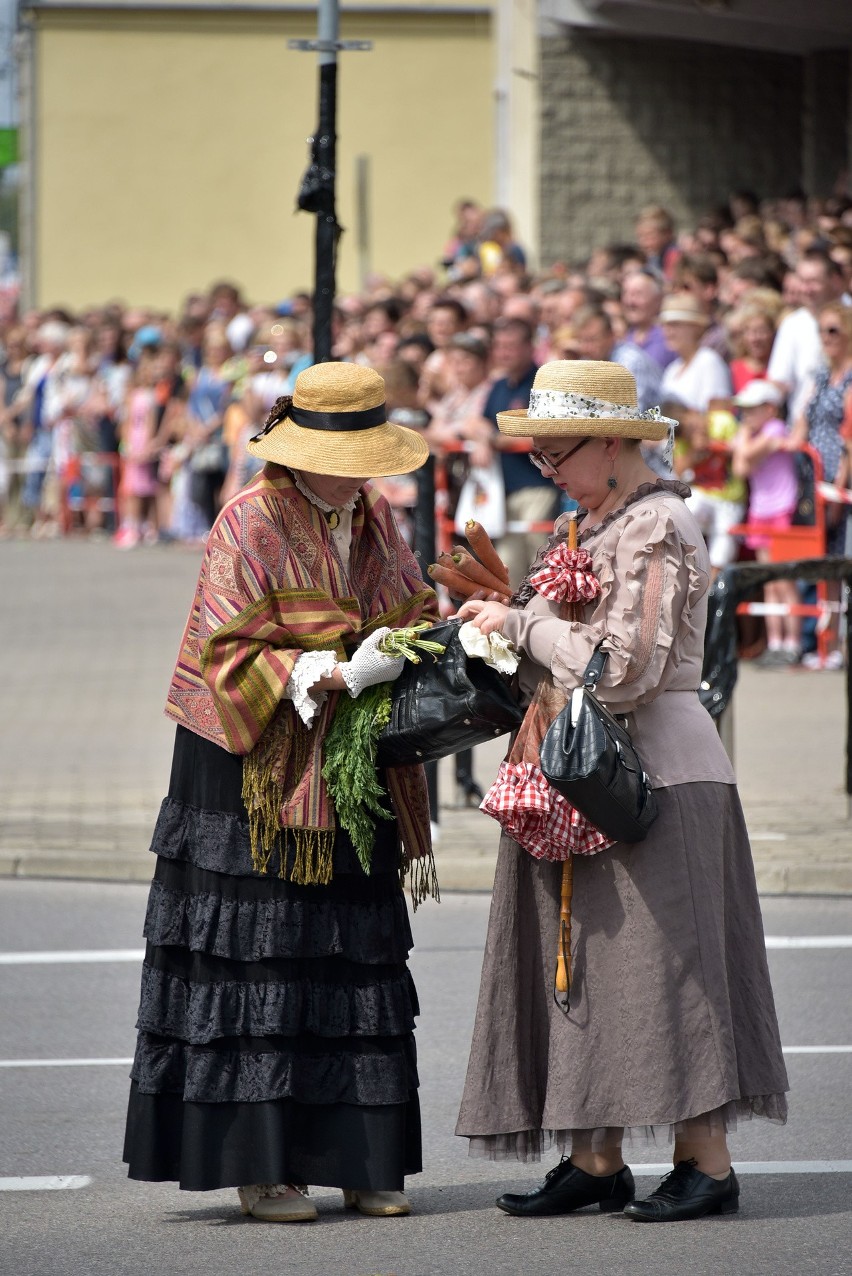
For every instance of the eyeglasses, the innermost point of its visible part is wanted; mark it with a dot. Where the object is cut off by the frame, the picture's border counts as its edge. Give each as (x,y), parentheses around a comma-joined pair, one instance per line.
(544,463)
(831,332)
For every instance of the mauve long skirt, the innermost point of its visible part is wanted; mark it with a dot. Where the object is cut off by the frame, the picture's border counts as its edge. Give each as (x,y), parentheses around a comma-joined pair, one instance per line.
(671,1011)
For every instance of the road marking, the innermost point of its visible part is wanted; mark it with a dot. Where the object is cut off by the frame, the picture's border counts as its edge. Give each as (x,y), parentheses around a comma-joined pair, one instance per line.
(58,957)
(817,1049)
(761,1167)
(809,941)
(64,1063)
(53,1183)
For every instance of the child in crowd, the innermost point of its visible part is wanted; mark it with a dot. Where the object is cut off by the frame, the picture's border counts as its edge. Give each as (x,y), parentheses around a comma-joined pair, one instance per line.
(139,486)
(761,454)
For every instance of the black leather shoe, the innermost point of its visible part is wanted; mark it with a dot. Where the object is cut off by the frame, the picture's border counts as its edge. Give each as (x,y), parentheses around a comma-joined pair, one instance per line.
(567,1188)
(687,1193)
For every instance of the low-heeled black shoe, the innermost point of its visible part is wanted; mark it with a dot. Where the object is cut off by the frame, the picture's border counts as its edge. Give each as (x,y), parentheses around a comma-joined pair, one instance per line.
(567,1188)
(687,1193)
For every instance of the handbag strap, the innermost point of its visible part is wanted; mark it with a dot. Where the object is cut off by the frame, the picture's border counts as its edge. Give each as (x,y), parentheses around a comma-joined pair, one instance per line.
(594,669)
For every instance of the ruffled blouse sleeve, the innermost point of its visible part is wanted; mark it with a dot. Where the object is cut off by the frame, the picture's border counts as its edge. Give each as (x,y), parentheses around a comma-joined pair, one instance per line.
(651,578)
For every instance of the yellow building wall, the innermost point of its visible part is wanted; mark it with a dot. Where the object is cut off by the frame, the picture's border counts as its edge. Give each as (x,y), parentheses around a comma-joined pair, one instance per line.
(169,147)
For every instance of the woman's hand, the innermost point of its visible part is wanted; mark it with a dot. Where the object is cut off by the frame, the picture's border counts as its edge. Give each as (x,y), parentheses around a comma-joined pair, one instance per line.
(489,617)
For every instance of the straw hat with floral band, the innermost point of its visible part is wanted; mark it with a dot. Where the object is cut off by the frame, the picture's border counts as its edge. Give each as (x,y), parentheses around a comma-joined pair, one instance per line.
(587,397)
(336,423)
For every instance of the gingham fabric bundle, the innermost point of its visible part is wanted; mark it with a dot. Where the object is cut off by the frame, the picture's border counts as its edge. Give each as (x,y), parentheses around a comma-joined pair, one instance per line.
(538,817)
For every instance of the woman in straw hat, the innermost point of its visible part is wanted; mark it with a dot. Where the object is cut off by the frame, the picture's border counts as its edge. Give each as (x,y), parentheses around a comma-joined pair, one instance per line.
(670,1023)
(275,1040)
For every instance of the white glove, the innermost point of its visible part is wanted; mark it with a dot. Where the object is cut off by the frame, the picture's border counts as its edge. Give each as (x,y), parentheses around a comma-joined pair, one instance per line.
(369,666)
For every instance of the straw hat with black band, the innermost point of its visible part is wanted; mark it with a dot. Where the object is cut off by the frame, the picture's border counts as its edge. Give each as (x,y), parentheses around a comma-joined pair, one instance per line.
(336,423)
(585,397)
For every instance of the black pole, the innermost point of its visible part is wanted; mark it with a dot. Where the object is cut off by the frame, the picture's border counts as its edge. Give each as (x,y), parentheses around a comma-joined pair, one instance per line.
(326,227)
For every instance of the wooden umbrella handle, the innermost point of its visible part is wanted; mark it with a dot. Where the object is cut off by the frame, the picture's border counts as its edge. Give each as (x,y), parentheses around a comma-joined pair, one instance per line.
(563,951)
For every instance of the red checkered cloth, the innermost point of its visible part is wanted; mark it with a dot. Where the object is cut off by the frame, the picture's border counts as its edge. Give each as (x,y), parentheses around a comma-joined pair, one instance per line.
(538,817)
(567,576)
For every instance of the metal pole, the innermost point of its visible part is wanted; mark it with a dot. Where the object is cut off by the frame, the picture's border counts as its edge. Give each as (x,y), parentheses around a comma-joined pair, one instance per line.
(328,28)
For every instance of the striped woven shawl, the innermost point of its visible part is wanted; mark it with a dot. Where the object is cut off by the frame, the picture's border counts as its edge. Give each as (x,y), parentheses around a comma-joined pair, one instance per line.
(273,585)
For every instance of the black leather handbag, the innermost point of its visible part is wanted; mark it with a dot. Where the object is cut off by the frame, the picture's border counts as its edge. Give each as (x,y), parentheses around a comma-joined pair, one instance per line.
(588,757)
(444,705)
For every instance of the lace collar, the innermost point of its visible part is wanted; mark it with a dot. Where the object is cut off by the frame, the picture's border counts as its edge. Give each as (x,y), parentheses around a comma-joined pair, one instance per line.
(638,494)
(315,500)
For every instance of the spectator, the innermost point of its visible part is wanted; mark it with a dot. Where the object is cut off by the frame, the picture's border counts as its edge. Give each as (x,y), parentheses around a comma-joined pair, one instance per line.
(498,250)
(139,487)
(530,496)
(641,295)
(761,455)
(596,340)
(655,236)
(751,333)
(829,409)
(446,318)
(798,353)
(698,374)
(698,275)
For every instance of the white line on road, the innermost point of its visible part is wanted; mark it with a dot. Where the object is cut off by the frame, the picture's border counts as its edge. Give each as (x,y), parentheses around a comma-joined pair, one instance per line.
(64,1063)
(58,957)
(107,955)
(809,941)
(762,1167)
(52,1183)
(817,1049)
(125,1063)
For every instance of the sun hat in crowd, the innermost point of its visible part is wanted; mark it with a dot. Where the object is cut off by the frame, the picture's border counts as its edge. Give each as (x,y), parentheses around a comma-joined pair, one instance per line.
(336,423)
(756,394)
(585,396)
(682,307)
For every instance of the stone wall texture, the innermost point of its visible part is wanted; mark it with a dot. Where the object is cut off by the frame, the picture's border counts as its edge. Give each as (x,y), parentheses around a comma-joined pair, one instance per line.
(628,122)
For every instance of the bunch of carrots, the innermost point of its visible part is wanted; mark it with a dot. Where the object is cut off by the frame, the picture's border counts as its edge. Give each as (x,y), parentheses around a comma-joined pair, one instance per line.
(464,573)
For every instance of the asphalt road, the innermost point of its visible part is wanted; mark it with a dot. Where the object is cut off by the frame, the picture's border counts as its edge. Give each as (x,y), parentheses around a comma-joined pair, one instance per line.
(67,1120)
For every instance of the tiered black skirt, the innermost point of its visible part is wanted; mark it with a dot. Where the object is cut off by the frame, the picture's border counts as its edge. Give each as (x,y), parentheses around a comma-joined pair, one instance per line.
(276,1021)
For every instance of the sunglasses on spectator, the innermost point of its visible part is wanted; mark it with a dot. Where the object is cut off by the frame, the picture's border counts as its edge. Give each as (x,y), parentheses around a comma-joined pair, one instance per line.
(542,462)
(831,332)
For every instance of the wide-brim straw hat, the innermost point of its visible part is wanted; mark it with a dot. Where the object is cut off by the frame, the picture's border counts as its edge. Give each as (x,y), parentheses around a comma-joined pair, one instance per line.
(584,396)
(682,307)
(336,423)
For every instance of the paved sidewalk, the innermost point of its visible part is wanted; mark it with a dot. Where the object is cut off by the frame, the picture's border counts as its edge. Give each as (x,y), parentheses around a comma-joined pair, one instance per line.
(89,635)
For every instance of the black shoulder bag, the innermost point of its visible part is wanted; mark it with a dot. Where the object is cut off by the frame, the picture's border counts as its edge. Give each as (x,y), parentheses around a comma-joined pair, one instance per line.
(443,705)
(588,757)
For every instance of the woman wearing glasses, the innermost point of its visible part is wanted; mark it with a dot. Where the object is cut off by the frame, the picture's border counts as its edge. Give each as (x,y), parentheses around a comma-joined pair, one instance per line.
(669,1028)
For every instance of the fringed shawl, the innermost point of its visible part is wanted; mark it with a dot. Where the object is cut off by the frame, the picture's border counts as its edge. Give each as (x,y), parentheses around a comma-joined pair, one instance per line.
(273,585)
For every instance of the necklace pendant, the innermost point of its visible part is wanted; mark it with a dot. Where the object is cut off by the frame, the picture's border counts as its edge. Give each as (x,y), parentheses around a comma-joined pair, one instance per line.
(333,519)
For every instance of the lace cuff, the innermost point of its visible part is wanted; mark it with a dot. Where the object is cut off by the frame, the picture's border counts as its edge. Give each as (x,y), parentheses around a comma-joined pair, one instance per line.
(308,669)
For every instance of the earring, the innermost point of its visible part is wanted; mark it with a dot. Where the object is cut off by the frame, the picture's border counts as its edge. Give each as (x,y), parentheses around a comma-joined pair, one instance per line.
(612,482)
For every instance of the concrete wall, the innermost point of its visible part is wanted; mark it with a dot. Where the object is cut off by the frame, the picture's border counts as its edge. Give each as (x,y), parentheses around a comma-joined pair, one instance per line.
(168,146)
(626,122)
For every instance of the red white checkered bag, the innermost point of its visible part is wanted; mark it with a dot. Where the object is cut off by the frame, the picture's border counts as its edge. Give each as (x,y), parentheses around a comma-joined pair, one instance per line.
(538,817)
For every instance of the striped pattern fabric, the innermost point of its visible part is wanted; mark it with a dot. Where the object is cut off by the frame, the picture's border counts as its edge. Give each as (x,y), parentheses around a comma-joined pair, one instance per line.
(273,585)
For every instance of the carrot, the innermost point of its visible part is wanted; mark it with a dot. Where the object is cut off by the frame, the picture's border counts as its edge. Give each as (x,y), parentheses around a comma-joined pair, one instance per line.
(475,571)
(480,543)
(459,586)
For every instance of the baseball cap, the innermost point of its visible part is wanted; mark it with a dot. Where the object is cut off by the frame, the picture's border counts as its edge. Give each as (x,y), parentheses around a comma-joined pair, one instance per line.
(757,393)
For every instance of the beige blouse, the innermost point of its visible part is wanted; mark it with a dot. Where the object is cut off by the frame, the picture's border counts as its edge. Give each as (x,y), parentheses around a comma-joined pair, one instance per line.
(652,563)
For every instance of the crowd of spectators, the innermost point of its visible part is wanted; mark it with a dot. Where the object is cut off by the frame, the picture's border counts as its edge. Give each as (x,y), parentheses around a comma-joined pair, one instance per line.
(129,422)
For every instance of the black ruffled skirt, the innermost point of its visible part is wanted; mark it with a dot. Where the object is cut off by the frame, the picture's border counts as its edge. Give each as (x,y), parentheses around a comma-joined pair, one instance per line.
(276,1021)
